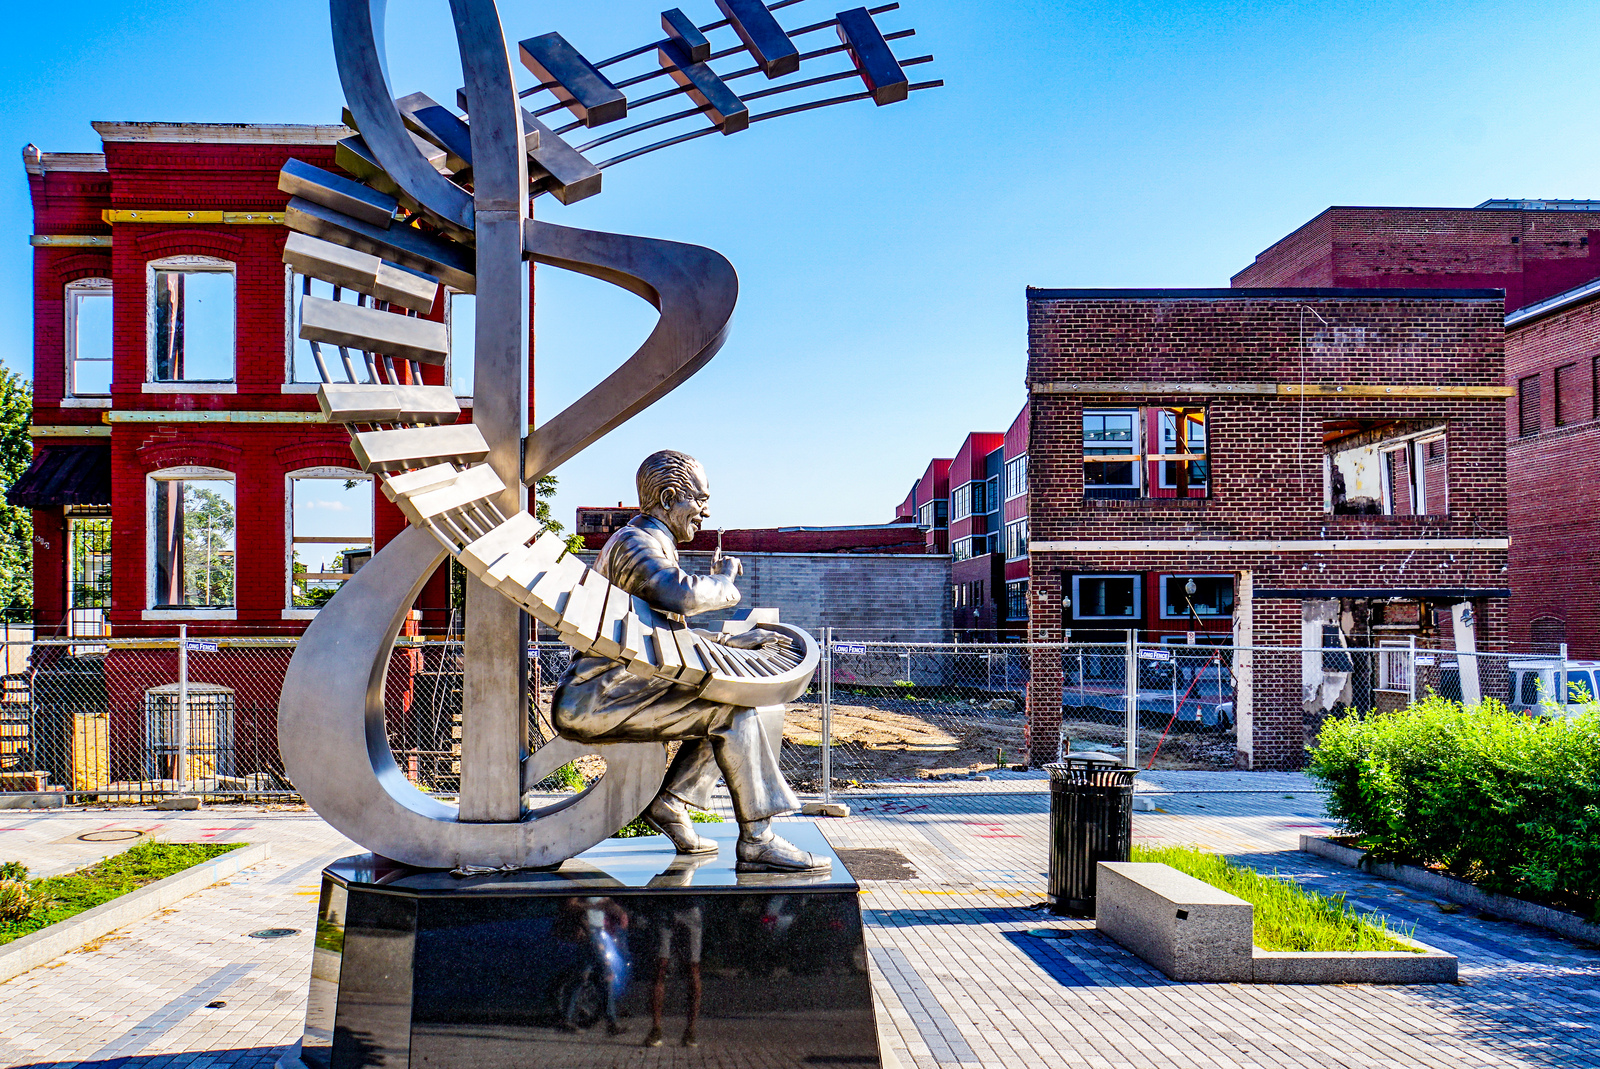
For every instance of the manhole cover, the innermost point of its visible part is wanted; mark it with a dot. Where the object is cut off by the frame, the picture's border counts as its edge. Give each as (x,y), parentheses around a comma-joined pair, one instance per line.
(274,933)
(1050,933)
(877,863)
(113,835)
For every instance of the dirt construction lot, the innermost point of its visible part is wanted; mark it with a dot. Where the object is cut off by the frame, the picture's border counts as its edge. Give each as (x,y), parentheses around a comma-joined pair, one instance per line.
(891,740)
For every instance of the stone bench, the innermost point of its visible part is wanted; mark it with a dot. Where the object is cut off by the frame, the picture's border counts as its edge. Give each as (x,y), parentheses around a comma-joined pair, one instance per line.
(1193,931)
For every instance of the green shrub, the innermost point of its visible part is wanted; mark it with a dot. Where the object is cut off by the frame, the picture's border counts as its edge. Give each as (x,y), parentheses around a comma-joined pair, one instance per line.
(1508,801)
(1286,916)
(637,827)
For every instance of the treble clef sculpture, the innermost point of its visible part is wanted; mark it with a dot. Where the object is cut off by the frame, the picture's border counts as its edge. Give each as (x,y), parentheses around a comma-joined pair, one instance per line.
(445,201)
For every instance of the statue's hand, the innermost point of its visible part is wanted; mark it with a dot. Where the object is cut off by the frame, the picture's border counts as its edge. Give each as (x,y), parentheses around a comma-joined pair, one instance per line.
(728,566)
(753,639)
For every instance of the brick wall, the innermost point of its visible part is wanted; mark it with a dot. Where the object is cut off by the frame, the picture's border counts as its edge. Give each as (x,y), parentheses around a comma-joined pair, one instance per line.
(898,597)
(1530,254)
(1266,459)
(1553,485)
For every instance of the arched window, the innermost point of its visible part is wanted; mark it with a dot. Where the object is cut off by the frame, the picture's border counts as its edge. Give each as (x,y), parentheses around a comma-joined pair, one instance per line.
(88,337)
(330,532)
(191,542)
(189,319)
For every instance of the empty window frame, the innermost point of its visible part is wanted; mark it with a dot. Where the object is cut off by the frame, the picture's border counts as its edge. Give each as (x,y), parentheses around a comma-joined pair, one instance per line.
(1017,539)
(1386,468)
(191,514)
(302,361)
(1212,597)
(1148,452)
(1016,476)
(330,532)
(190,319)
(1566,380)
(461,319)
(1106,597)
(1528,406)
(88,337)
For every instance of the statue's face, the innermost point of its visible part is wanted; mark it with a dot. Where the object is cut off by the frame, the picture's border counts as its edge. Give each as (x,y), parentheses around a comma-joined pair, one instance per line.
(685,513)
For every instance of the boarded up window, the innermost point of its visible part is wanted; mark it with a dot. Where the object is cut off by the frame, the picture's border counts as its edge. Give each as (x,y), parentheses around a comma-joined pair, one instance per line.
(1528,406)
(1567,395)
(1398,462)
(1435,477)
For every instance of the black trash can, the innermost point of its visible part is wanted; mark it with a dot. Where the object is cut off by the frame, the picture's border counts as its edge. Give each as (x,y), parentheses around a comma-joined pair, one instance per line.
(1091,820)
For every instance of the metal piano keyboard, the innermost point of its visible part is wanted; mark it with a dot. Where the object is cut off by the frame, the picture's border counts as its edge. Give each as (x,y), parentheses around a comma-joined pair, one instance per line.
(432,467)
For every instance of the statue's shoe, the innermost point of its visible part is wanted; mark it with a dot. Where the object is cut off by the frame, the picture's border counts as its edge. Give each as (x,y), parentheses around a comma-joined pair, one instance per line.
(775,854)
(673,821)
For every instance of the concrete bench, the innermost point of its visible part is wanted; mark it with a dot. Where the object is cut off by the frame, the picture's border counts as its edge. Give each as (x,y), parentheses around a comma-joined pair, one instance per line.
(1191,930)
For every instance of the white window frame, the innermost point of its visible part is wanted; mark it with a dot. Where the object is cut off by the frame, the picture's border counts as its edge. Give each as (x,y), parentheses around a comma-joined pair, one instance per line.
(1016,477)
(291,611)
(72,293)
(1397,659)
(961,502)
(1016,540)
(187,472)
(1138,594)
(208,264)
(464,400)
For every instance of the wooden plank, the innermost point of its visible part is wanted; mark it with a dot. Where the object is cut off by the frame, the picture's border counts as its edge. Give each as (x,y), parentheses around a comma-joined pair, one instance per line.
(1329,390)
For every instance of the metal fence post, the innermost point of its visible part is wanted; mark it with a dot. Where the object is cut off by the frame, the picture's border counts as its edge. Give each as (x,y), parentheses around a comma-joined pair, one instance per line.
(183,707)
(1561,680)
(827,714)
(1132,671)
(1411,665)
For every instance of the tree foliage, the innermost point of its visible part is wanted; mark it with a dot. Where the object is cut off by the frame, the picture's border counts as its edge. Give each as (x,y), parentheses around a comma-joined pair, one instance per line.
(16,524)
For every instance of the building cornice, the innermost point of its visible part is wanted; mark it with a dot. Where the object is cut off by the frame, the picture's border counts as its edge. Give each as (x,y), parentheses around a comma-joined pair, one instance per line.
(221,133)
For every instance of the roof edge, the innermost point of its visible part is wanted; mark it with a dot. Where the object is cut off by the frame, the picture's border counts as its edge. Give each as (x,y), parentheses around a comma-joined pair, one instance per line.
(36,161)
(221,133)
(1551,305)
(1265,293)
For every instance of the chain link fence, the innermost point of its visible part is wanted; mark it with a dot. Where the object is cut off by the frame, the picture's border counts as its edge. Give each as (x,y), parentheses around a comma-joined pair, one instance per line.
(110,719)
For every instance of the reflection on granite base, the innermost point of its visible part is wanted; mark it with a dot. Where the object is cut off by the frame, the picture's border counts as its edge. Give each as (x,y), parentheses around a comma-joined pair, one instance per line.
(624,949)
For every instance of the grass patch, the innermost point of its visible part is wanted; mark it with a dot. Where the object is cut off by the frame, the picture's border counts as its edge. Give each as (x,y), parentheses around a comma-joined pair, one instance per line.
(1287,917)
(34,904)
(637,826)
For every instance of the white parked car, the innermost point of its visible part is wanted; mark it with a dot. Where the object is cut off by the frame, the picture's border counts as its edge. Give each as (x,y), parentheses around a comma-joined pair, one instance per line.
(1535,682)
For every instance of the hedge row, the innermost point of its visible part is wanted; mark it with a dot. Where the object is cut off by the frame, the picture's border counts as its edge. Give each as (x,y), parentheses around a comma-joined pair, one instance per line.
(1508,801)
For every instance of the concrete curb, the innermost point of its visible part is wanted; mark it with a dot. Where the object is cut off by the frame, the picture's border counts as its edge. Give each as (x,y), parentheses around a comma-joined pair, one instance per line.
(1193,931)
(36,948)
(1569,925)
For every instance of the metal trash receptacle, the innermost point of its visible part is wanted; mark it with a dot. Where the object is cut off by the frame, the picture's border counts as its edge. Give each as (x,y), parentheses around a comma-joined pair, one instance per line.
(1091,820)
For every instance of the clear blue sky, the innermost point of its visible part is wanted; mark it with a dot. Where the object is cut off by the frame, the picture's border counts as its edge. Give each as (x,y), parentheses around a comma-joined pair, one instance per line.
(883,252)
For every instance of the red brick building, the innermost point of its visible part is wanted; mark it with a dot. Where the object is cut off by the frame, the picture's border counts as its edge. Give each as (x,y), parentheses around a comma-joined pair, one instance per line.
(1532,249)
(1302,455)
(1542,253)
(1553,472)
(183,474)
(928,505)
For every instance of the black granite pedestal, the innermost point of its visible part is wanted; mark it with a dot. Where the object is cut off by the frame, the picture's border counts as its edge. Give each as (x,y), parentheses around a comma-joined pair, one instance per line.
(627,955)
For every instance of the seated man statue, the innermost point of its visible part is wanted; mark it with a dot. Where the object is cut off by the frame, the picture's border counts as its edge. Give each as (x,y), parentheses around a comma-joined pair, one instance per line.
(599,700)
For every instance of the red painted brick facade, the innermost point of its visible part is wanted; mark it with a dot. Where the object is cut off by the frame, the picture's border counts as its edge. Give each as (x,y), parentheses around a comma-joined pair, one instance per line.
(1266,459)
(1553,482)
(1531,254)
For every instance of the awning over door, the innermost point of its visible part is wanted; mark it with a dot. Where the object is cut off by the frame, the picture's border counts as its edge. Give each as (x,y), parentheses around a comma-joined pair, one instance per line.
(65,475)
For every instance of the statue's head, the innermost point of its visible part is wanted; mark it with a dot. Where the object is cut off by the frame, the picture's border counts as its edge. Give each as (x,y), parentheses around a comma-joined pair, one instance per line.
(674,489)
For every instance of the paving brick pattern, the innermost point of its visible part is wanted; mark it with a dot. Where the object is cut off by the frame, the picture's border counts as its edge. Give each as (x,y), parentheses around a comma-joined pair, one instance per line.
(958,977)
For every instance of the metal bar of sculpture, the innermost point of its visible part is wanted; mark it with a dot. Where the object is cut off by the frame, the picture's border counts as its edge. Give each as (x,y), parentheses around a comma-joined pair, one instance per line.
(447,200)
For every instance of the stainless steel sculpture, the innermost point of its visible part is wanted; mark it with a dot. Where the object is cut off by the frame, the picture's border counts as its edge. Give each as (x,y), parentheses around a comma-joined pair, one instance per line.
(445,200)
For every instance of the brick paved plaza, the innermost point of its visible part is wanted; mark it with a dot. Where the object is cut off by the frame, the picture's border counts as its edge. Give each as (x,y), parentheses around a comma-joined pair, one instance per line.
(959,980)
